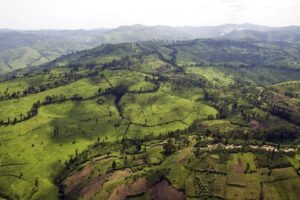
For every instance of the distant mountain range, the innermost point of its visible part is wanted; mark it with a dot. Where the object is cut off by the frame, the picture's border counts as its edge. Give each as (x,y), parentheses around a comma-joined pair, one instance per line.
(20,49)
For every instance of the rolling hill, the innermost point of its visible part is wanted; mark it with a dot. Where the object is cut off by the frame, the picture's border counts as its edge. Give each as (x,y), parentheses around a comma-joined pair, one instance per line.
(32,48)
(289,34)
(193,119)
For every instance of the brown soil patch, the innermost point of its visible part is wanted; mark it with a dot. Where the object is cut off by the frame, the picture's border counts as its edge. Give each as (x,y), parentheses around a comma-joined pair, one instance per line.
(87,188)
(254,125)
(164,191)
(239,167)
(120,173)
(276,98)
(130,189)
(72,183)
(279,98)
(93,186)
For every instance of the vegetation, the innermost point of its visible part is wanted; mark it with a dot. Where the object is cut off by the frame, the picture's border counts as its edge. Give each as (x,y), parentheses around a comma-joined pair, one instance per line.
(134,120)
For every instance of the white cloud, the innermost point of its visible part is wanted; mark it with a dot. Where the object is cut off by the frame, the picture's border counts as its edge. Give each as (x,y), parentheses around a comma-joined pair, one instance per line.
(73,14)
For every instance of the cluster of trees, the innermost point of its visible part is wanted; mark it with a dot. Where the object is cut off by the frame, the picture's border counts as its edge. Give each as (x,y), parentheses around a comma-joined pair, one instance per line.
(54,98)
(188,81)
(278,134)
(281,111)
(271,160)
(123,63)
(291,94)
(175,143)
(129,143)
(72,159)
(119,91)
(224,156)
(210,96)
(169,147)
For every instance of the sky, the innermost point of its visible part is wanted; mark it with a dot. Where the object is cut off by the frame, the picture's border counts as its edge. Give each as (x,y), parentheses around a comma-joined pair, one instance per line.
(89,14)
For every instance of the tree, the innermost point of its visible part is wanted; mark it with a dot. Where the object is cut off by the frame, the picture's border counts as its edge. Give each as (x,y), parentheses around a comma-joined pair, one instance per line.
(206,96)
(125,160)
(261,195)
(211,117)
(197,152)
(55,132)
(119,91)
(36,182)
(270,172)
(114,165)
(224,156)
(247,167)
(235,105)
(169,148)
(76,153)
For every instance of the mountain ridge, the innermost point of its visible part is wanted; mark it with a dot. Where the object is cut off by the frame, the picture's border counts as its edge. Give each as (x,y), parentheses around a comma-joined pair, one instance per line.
(50,44)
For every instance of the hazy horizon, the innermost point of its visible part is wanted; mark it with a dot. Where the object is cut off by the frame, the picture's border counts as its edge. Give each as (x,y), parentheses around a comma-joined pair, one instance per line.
(124,25)
(93,14)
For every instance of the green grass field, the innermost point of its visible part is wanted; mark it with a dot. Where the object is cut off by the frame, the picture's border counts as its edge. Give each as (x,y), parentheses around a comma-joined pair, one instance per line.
(85,88)
(213,75)
(43,153)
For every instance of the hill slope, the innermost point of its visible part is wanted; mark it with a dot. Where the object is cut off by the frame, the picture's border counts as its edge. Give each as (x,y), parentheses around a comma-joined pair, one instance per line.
(289,34)
(250,60)
(45,45)
(140,120)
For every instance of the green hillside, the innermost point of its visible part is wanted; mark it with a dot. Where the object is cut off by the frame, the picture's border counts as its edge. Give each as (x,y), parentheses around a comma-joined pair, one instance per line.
(201,119)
